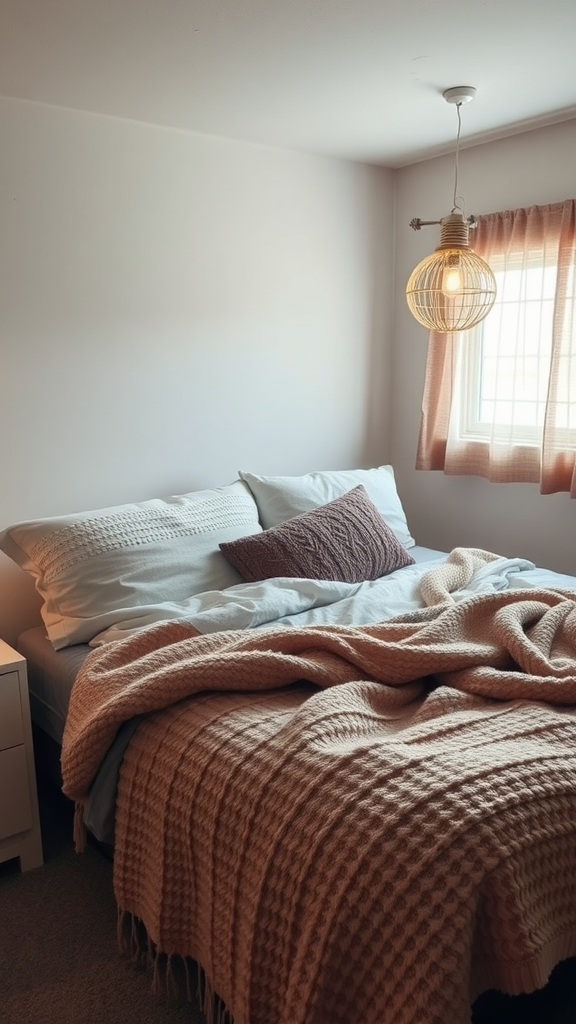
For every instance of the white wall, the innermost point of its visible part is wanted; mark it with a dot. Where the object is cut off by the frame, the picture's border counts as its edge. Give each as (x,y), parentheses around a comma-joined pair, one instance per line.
(512,519)
(174,307)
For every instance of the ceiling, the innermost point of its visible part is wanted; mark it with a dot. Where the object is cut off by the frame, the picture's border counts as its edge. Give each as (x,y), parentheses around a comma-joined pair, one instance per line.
(358,79)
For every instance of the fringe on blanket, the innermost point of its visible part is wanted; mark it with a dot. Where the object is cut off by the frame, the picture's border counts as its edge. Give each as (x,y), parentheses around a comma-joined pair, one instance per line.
(212,1006)
(79,833)
(134,940)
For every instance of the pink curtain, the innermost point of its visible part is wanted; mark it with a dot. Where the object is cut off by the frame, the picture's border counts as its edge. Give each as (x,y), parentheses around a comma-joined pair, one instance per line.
(538,235)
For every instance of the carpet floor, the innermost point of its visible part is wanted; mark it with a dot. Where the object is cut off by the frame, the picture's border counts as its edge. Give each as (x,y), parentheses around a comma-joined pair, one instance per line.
(59,957)
(60,962)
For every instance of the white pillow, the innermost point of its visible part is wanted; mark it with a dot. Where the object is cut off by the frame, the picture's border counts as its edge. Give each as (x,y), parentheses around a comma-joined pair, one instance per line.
(95,568)
(281,497)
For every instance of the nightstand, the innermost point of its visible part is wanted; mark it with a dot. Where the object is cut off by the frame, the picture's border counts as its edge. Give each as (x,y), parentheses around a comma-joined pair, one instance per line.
(19,819)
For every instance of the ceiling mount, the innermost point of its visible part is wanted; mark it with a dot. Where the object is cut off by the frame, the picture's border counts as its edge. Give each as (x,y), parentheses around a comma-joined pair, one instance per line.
(459,94)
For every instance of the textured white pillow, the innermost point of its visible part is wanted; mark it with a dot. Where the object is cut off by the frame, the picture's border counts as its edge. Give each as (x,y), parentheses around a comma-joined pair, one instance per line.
(281,497)
(95,568)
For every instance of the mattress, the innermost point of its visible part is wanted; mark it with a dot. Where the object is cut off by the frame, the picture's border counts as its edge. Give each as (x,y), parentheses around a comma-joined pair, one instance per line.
(51,675)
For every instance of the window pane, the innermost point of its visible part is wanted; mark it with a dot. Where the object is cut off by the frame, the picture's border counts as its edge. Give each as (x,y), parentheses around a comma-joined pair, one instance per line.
(514,346)
(506,360)
(503,412)
(537,328)
(508,286)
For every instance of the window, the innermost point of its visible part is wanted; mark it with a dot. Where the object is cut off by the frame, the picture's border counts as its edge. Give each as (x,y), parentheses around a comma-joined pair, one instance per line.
(500,400)
(506,360)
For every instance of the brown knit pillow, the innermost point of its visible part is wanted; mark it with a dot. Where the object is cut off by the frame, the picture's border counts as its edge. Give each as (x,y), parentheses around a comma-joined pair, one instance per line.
(347,540)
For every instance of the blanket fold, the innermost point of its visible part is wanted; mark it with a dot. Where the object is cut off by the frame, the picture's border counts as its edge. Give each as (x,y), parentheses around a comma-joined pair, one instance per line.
(508,645)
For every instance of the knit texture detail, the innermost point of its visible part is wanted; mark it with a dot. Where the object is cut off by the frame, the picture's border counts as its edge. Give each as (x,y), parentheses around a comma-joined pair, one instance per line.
(347,539)
(347,823)
(132,526)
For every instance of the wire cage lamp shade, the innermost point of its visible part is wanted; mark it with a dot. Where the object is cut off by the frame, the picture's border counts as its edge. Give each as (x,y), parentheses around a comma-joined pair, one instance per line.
(453,289)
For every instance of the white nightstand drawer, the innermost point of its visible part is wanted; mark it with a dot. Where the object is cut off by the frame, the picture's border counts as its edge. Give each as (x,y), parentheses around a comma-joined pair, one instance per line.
(11,731)
(19,818)
(15,811)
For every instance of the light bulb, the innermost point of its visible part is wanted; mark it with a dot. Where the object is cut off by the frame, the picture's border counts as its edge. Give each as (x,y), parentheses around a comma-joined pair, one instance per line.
(452,278)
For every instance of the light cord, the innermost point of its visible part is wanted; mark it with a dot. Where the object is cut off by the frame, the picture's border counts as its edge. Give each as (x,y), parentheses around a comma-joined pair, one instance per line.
(457,206)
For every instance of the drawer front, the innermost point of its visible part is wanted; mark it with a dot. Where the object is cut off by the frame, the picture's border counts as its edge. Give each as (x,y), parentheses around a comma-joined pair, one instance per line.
(11,733)
(15,811)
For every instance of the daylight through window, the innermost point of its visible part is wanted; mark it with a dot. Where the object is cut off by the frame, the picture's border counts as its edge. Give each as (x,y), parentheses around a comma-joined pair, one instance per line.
(500,400)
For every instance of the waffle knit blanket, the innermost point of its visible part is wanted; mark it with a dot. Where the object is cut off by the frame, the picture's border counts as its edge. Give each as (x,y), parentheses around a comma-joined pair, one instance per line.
(346,825)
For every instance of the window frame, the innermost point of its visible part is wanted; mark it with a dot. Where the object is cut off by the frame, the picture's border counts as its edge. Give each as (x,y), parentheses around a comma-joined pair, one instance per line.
(469,370)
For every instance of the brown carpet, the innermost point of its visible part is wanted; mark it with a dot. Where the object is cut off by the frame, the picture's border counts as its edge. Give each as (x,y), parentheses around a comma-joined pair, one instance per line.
(59,957)
(60,962)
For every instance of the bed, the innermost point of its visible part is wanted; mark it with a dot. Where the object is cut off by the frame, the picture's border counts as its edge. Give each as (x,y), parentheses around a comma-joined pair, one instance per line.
(337,769)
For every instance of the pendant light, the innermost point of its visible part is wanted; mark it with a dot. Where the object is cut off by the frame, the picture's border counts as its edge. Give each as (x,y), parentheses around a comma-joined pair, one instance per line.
(453,289)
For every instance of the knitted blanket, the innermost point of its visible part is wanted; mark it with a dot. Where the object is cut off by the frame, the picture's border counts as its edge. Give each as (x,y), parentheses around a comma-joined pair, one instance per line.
(354,825)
